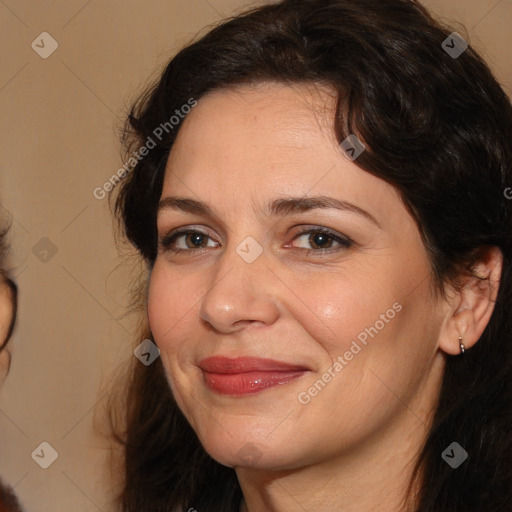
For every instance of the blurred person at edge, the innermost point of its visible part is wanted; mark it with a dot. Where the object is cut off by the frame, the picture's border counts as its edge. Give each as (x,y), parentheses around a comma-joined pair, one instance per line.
(274,239)
(8,306)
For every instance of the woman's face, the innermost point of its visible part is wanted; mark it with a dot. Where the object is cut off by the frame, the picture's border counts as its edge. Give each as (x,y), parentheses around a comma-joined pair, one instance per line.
(341,320)
(6,314)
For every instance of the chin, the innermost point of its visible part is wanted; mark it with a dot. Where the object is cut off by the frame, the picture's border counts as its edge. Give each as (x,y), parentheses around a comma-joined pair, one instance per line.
(251,451)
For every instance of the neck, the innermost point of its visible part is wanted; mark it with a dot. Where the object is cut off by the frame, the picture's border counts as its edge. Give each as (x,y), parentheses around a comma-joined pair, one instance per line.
(373,477)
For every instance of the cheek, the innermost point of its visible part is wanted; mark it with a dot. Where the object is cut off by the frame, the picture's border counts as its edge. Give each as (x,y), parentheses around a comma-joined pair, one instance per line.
(167,315)
(339,307)
(170,299)
(361,328)
(381,343)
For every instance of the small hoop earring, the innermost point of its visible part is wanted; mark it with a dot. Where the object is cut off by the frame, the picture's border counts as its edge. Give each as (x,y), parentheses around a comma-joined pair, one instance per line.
(462,347)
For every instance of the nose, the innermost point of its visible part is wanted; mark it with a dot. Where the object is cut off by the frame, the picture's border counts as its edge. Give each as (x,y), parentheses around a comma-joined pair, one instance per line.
(241,293)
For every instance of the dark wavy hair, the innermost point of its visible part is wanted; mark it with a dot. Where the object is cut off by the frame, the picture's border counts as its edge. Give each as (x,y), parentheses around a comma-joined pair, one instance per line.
(436,127)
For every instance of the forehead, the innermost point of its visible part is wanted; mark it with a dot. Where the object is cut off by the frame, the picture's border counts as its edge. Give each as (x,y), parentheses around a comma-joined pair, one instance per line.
(262,131)
(290,112)
(258,142)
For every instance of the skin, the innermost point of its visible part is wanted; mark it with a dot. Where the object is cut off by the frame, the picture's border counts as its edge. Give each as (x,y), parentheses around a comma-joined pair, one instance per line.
(351,448)
(8,500)
(6,312)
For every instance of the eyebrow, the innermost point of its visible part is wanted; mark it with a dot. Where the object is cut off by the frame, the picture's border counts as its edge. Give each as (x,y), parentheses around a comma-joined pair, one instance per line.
(280,206)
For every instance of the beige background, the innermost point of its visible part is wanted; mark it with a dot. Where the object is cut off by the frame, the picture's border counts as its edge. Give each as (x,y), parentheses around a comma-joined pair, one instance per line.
(59,142)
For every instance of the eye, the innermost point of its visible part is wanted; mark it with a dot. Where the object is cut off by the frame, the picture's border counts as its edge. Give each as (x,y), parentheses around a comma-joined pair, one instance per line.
(322,239)
(191,239)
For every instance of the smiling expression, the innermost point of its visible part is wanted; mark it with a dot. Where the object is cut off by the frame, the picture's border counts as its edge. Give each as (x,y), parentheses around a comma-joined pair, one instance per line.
(276,248)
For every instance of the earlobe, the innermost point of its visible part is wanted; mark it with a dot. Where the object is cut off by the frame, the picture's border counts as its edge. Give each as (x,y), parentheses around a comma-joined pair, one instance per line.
(471,307)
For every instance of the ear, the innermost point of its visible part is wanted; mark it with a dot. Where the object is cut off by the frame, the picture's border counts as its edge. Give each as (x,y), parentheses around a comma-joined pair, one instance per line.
(6,315)
(469,310)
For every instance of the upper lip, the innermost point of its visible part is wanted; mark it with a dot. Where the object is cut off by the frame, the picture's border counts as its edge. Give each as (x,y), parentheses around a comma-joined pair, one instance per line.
(223,364)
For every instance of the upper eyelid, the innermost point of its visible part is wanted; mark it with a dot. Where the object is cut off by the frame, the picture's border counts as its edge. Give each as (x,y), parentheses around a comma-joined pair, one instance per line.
(306,229)
(207,231)
(184,230)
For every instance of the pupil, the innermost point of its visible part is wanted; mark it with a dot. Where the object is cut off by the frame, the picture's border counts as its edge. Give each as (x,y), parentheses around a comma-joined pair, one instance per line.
(320,238)
(197,238)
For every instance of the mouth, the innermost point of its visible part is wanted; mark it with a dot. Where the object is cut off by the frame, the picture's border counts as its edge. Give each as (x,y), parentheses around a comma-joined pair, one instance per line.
(247,375)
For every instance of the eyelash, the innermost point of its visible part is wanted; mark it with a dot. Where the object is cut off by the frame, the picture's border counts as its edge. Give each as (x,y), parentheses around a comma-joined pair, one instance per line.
(345,242)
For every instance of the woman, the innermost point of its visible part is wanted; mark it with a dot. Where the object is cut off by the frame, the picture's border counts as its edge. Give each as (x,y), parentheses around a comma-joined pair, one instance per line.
(317,188)
(8,305)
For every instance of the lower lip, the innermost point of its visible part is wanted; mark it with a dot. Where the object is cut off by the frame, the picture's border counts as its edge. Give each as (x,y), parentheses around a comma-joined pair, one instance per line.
(249,382)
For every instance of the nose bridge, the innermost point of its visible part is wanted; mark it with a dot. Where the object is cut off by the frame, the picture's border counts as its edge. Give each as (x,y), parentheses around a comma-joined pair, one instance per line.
(241,292)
